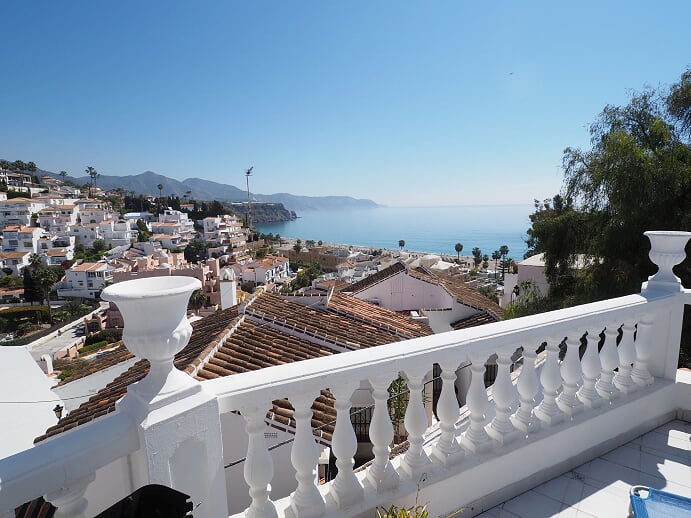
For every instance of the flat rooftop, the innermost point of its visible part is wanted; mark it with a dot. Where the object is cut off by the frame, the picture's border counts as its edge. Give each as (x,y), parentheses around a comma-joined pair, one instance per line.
(660,459)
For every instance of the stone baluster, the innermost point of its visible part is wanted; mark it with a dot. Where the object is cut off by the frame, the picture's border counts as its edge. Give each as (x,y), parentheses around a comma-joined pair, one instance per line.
(259,468)
(524,419)
(591,369)
(501,429)
(571,374)
(475,438)
(609,360)
(644,351)
(447,451)
(627,355)
(415,459)
(346,489)
(70,501)
(305,501)
(381,475)
(548,412)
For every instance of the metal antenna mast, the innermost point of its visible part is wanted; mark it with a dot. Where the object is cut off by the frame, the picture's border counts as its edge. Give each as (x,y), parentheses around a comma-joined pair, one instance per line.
(248,173)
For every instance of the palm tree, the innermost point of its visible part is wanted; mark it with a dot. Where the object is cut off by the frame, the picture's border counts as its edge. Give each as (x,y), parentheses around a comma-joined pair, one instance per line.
(401,243)
(485,261)
(160,194)
(45,278)
(197,301)
(93,174)
(477,256)
(63,175)
(459,248)
(496,255)
(504,251)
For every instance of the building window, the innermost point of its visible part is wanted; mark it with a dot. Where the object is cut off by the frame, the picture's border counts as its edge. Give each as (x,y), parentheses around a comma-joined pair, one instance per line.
(361,418)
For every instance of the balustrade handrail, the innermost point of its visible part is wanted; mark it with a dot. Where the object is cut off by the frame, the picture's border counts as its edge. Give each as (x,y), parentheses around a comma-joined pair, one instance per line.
(318,373)
(65,459)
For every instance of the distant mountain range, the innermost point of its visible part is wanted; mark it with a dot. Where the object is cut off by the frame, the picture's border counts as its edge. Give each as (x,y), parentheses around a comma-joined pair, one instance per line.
(197,188)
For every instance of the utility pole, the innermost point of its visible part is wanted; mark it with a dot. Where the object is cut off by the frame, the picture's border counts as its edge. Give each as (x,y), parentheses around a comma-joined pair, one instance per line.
(248,173)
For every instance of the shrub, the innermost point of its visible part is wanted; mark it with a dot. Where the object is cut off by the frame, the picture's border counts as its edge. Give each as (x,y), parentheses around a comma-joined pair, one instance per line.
(416,511)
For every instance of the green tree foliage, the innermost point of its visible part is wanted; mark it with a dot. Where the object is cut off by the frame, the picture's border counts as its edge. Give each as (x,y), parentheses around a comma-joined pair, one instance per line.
(401,243)
(459,248)
(477,256)
(195,251)
(197,301)
(144,234)
(636,176)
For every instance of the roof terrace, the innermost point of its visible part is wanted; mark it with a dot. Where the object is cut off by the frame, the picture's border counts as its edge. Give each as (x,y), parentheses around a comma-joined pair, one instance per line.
(592,378)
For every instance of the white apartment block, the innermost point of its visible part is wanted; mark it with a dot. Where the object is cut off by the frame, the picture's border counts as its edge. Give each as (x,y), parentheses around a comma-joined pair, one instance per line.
(118,233)
(58,218)
(54,250)
(186,228)
(267,270)
(15,261)
(86,280)
(18,211)
(20,239)
(86,234)
(94,211)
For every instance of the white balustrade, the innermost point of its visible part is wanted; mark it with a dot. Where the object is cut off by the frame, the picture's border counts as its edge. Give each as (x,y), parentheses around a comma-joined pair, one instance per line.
(258,468)
(640,374)
(609,359)
(306,501)
(415,459)
(69,500)
(592,367)
(627,355)
(571,388)
(525,419)
(346,489)
(548,412)
(381,475)
(447,450)
(475,438)
(501,429)
(571,374)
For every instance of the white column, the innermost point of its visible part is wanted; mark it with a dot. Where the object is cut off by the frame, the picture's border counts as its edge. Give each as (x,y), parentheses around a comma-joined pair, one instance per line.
(548,412)
(627,355)
(259,468)
(501,429)
(415,459)
(571,374)
(609,359)
(524,419)
(644,351)
(381,475)
(591,370)
(447,450)
(305,501)
(70,501)
(179,423)
(475,438)
(345,489)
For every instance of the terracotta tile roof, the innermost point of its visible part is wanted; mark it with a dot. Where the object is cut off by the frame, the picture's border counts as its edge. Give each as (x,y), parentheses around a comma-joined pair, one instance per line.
(204,333)
(376,278)
(89,267)
(13,255)
(344,329)
(105,360)
(477,319)
(364,311)
(456,287)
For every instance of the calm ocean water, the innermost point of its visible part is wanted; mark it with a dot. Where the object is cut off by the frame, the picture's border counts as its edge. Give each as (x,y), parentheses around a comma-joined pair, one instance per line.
(425,229)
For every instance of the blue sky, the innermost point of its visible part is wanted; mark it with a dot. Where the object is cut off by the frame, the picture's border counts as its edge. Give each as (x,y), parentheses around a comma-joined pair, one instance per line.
(406,103)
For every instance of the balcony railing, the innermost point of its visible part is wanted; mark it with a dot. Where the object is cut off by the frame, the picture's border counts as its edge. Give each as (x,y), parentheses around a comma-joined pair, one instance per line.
(591,378)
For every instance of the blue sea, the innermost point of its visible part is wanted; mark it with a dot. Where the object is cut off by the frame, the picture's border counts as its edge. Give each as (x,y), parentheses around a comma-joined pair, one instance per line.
(424,229)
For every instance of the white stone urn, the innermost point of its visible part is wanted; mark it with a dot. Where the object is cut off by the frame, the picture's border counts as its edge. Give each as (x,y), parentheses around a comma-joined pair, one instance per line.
(666,251)
(156,328)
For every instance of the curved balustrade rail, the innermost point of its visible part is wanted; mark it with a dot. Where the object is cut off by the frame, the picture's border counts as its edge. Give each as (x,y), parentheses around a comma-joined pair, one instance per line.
(616,361)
